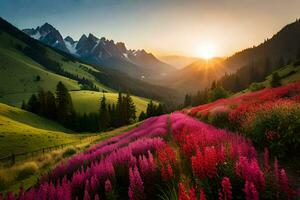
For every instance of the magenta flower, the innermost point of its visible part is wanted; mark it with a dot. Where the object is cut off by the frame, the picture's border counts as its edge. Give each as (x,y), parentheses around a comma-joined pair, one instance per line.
(226,188)
(250,191)
(136,187)
(108,186)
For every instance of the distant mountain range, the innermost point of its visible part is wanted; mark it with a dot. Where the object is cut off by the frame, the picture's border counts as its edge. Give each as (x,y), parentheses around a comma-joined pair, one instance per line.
(178,61)
(104,52)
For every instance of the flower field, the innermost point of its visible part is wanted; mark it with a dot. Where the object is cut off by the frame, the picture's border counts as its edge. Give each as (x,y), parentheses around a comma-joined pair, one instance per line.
(167,157)
(270,117)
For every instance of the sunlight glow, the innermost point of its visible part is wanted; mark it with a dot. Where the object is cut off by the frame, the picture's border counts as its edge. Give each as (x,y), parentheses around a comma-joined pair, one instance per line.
(206,51)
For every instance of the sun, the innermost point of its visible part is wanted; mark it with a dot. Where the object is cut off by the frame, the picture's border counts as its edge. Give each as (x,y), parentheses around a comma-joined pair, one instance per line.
(206,51)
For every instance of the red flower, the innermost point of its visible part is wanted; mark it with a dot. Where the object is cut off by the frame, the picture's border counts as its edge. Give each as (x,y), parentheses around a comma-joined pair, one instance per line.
(226,188)
(250,191)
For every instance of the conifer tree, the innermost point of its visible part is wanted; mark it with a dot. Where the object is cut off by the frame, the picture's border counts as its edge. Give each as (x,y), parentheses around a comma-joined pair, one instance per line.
(65,110)
(275,82)
(187,100)
(120,110)
(150,109)
(142,116)
(42,99)
(33,104)
(104,120)
(50,105)
(130,111)
(24,105)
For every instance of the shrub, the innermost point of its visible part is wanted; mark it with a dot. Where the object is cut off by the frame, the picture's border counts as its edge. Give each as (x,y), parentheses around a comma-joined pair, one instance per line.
(219,117)
(276,126)
(217,93)
(4,181)
(69,151)
(26,170)
(256,86)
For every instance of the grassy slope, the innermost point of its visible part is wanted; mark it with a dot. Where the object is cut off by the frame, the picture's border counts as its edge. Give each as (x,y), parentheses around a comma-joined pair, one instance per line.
(18,74)
(31,181)
(288,74)
(88,101)
(21,131)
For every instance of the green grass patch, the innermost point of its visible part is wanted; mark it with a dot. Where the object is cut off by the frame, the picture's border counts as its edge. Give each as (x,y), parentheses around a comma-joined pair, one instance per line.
(89,101)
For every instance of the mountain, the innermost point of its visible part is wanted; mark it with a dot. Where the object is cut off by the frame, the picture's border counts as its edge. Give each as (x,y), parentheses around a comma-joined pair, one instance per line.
(196,75)
(27,65)
(178,61)
(284,46)
(104,52)
(48,35)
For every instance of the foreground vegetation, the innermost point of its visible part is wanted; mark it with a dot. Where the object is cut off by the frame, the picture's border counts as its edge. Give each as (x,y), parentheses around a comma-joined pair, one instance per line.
(25,174)
(166,157)
(22,131)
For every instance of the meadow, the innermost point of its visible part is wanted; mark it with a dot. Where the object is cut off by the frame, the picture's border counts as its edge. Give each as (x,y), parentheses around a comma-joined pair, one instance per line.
(166,157)
(21,131)
(89,101)
(270,117)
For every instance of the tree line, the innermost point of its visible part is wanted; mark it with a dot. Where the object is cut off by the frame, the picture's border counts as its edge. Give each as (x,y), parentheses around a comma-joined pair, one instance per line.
(59,107)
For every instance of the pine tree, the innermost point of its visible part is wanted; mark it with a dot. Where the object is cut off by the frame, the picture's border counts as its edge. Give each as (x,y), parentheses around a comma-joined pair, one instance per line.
(130,111)
(187,100)
(142,116)
(113,116)
(104,120)
(42,99)
(267,67)
(33,104)
(150,109)
(24,105)
(160,109)
(120,110)
(65,110)
(50,105)
(275,82)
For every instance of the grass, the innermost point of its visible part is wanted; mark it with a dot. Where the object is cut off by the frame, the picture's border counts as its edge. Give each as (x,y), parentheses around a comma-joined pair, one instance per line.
(21,131)
(288,74)
(89,101)
(10,179)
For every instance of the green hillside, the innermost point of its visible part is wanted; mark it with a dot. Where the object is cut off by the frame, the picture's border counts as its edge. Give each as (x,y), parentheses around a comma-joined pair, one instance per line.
(19,77)
(21,131)
(88,101)
(288,74)
(18,74)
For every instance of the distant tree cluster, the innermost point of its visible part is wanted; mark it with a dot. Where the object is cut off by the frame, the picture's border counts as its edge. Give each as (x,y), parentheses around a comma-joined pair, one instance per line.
(152,110)
(208,95)
(59,107)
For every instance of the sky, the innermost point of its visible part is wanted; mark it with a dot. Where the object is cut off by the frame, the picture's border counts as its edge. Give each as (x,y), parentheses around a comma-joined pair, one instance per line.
(163,27)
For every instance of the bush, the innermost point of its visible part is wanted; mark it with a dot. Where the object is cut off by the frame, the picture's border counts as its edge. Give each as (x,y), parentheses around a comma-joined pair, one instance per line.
(4,181)
(219,117)
(69,151)
(217,93)
(276,126)
(26,170)
(256,86)
(297,63)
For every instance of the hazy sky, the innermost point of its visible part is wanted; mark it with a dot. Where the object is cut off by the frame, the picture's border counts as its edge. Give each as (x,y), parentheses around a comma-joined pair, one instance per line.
(160,26)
